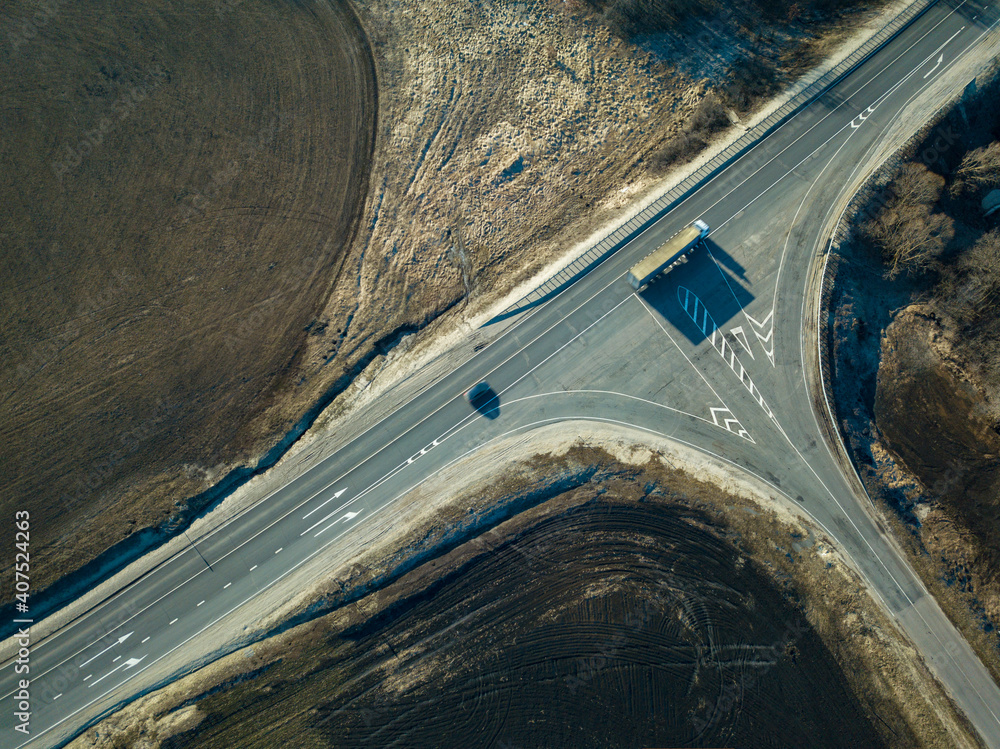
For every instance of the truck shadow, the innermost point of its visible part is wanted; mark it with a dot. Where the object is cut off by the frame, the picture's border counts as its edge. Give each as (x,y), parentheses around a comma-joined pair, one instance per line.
(707,292)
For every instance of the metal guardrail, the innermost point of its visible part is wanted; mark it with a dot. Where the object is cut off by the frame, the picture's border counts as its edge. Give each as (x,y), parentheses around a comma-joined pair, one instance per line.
(654,211)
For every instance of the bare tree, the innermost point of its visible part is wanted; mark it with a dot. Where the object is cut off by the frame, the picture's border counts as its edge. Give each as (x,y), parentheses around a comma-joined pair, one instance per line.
(981,166)
(980,266)
(908,231)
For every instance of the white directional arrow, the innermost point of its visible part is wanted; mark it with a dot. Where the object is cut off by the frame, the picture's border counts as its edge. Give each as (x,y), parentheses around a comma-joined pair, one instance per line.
(938,63)
(126,665)
(114,644)
(345,517)
(335,496)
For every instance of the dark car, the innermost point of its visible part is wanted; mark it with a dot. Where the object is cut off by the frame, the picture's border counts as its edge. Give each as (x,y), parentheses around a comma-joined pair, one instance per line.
(477,392)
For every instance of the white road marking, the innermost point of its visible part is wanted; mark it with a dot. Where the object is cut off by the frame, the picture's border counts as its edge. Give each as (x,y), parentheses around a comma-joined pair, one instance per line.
(172,621)
(226,586)
(279,550)
(741,338)
(336,495)
(57,696)
(743,432)
(144,641)
(87,677)
(763,140)
(253,568)
(937,64)
(199,603)
(347,517)
(118,642)
(116,659)
(510,332)
(126,665)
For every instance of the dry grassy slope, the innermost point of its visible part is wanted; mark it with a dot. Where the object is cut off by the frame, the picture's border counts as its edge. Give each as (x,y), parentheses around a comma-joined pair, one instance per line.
(179,185)
(545,630)
(502,123)
(933,417)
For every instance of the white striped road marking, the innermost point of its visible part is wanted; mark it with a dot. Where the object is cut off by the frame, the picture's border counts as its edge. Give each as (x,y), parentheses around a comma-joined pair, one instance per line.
(116,659)
(764,340)
(144,641)
(172,621)
(199,603)
(57,696)
(279,550)
(741,338)
(743,432)
(695,308)
(253,568)
(226,586)
(87,677)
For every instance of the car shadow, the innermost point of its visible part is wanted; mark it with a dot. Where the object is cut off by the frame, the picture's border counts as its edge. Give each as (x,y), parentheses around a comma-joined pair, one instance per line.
(487,403)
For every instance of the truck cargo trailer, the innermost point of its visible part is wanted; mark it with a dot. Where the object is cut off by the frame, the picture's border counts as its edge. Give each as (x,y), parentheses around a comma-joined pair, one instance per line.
(671,253)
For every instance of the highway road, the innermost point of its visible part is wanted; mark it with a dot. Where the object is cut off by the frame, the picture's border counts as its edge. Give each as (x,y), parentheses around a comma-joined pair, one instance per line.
(714,355)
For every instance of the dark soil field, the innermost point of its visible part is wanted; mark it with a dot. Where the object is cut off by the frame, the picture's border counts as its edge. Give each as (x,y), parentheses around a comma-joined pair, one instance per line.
(917,377)
(625,605)
(609,625)
(180,183)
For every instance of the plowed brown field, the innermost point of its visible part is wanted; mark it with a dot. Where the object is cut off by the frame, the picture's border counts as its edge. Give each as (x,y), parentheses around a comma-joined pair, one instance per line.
(180,183)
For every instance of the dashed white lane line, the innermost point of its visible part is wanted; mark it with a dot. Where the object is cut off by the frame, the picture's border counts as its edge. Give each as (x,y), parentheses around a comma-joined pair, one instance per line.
(199,603)
(144,641)
(253,568)
(226,586)
(172,621)
(116,659)
(87,677)
(57,696)
(279,550)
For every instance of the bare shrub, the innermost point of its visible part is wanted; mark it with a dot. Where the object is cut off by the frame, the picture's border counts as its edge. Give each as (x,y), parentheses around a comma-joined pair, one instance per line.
(708,117)
(750,80)
(631,18)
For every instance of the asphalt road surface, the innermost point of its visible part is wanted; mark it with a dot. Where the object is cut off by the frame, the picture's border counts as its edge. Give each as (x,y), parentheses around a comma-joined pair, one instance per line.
(712,355)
